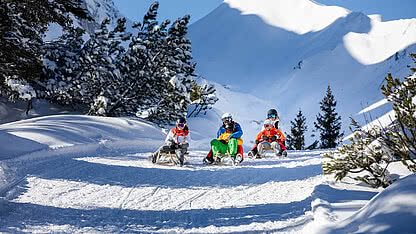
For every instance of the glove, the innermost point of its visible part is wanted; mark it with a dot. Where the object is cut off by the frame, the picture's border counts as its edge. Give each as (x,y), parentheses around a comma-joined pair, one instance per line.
(264,138)
(174,146)
(274,138)
(257,142)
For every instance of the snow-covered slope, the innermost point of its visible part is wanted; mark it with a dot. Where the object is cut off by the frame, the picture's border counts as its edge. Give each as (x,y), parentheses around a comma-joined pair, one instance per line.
(288,52)
(84,174)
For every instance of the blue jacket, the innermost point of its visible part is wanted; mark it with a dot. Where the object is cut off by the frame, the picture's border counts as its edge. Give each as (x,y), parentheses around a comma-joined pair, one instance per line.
(238,132)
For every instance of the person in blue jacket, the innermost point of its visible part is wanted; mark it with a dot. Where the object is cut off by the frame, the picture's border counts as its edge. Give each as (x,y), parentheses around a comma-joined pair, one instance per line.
(237,133)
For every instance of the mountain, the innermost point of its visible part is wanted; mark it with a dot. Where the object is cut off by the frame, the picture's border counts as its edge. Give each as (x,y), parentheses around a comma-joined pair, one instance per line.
(288,52)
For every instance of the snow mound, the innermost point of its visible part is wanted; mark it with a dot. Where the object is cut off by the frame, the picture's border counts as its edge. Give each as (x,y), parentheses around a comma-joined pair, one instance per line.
(390,211)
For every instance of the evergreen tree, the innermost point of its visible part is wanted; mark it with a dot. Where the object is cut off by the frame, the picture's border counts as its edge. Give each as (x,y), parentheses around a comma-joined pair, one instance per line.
(329,123)
(176,98)
(296,138)
(62,65)
(23,22)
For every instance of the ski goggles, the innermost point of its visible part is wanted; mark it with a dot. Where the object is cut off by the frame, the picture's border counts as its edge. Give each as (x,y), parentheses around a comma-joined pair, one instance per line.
(181,125)
(227,119)
(272,116)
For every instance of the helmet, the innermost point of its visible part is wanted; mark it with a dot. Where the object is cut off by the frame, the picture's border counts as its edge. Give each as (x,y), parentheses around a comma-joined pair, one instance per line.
(229,126)
(226,116)
(268,123)
(271,113)
(181,121)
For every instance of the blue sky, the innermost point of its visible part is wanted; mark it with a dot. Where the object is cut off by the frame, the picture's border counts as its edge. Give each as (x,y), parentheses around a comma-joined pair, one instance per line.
(168,9)
(173,9)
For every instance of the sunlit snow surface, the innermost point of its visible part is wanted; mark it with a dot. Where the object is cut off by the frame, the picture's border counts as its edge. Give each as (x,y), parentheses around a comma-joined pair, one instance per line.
(100,181)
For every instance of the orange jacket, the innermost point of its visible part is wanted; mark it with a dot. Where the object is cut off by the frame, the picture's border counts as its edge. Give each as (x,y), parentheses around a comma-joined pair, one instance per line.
(269,133)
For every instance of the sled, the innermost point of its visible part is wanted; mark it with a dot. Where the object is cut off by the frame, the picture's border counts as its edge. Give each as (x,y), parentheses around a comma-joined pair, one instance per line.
(168,158)
(224,160)
(257,156)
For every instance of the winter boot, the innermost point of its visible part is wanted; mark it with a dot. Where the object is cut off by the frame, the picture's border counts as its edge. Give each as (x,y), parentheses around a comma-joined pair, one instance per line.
(250,154)
(239,158)
(154,157)
(208,160)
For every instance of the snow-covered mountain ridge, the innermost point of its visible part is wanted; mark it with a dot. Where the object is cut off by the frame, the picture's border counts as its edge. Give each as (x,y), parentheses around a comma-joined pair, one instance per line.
(261,49)
(298,16)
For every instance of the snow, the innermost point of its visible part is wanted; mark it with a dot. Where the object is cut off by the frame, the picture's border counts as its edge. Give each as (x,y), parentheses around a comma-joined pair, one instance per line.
(305,16)
(81,174)
(73,173)
(288,52)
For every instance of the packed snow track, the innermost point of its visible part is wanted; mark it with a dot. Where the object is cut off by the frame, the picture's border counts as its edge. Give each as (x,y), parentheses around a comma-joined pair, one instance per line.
(127,193)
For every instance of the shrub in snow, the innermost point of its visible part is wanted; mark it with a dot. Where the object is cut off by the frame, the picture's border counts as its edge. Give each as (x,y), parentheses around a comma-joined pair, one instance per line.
(401,139)
(372,150)
(364,159)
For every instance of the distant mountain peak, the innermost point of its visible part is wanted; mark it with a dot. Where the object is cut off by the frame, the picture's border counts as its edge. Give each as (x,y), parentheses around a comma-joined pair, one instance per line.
(299,16)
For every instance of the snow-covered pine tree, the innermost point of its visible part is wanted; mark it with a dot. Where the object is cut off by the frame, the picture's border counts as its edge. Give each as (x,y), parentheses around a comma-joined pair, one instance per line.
(111,81)
(23,24)
(329,123)
(62,66)
(176,98)
(296,138)
(145,75)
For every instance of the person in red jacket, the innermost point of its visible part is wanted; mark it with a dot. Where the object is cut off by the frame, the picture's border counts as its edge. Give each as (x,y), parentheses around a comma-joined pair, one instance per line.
(175,142)
(270,138)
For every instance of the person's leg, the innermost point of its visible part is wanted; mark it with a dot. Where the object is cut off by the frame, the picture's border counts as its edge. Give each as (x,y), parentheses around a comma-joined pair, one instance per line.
(240,151)
(232,146)
(218,147)
(183,148)
(253,151)
(276,148)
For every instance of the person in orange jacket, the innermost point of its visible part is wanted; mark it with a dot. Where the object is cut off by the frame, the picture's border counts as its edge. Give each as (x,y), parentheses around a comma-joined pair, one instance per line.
(270,138)
(274,117)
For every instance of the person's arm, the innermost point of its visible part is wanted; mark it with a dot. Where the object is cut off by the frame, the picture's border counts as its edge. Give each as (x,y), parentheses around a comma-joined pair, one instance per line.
(221,130)
(280,134)
(238,132)
(170,138)
(259,137)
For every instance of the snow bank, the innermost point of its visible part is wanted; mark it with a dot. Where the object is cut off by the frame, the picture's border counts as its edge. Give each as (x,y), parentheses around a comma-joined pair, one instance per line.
(390,211)
(58,135)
